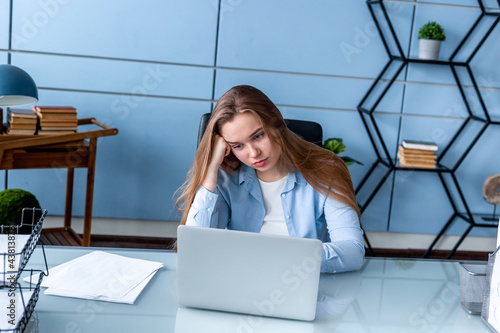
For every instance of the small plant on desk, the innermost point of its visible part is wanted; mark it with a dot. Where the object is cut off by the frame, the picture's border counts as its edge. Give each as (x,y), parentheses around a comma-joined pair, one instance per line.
(12,202)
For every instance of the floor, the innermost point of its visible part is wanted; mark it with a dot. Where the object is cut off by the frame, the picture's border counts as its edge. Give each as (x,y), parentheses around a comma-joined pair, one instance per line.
(65,239)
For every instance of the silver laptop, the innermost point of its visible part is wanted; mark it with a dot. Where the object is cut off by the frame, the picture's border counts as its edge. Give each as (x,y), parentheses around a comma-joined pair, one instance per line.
(250,273)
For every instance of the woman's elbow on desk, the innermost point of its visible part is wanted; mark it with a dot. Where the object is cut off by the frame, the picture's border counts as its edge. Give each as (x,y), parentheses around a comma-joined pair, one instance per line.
(342,256)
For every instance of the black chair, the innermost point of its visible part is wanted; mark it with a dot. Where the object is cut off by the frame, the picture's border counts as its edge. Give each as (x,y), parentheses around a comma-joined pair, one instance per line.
(308,130)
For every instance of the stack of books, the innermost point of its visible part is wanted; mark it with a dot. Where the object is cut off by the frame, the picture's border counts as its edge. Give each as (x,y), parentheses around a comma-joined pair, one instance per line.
(21,122)
(417,154)
(56,119)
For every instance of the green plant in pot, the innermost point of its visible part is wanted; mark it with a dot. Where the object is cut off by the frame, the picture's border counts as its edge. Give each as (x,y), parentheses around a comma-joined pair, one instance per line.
(430,36)
(338,147)
(12,202)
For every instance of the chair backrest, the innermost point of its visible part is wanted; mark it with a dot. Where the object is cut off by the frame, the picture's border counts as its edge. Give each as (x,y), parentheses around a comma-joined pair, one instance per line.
(309,130)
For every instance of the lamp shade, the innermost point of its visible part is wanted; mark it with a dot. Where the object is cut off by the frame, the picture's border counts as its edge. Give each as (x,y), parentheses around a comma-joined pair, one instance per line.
(16,87)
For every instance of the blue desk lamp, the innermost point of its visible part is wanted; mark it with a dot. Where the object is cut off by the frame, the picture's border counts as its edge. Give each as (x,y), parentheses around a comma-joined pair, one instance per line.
(16,87)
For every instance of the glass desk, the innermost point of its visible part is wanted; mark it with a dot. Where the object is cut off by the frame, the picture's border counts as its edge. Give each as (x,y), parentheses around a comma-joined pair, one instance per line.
(386,295)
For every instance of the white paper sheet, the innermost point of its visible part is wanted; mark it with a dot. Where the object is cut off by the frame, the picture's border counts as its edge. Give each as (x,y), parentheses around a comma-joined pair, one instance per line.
(101,276)
(12,307)
(10,244)
(129,298)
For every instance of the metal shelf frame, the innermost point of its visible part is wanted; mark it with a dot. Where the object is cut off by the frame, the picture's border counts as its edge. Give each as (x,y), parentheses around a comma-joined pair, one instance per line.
(462,73)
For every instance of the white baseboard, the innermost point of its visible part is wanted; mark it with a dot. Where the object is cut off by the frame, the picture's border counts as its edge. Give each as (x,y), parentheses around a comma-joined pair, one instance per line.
(386,240)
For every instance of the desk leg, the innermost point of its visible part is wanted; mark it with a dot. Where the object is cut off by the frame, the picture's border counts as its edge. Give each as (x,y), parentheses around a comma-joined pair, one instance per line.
(69,198)
(87,218)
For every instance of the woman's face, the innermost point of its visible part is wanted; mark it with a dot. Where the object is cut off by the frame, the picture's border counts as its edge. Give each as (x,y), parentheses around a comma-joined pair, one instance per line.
(252,146)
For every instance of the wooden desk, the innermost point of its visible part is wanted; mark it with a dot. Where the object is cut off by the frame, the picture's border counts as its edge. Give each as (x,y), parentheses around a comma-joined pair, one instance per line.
(75,150)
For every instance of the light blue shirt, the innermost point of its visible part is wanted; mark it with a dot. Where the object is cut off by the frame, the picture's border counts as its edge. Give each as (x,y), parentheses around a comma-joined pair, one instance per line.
(237,204)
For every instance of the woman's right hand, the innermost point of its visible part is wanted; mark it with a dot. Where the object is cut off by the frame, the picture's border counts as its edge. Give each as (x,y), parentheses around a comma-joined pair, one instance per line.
(220,150)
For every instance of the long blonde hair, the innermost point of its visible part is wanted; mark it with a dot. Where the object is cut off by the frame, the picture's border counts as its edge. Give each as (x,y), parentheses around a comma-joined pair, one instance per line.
(322,169)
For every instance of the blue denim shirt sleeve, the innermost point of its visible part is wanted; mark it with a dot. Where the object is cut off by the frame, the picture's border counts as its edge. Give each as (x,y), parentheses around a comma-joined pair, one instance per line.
(208,210)
(346,250)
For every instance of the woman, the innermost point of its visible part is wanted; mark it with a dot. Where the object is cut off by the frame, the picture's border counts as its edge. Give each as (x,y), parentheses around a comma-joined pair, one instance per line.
(251,173)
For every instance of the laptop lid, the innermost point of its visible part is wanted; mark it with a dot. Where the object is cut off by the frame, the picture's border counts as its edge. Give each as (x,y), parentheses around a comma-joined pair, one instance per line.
(251,273)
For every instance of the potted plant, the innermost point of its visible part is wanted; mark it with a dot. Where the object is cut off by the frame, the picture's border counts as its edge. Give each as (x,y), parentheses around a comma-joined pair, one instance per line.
(338,147)
(12,202)
(430,36)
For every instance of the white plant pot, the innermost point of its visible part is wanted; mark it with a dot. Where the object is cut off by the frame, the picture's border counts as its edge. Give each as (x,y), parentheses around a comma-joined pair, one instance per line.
(428,49)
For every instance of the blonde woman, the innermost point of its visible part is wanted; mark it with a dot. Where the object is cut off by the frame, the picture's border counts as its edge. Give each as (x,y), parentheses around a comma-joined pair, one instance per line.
(251,173)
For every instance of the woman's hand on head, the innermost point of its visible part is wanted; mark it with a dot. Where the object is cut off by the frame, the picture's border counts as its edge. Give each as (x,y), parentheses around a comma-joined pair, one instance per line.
(220,150)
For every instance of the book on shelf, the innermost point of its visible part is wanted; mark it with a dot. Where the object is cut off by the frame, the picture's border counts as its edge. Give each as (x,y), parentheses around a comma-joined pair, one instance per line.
(13,131)
(416,158)
(420,145)
(411,159)
(423,154)
(21,121)
(415,151)
(20,114)
(22,126)
(54,109)
(408,164)
(15,120)
(58,132)
(61,124)
(55,128)
(55,119)
(56,116)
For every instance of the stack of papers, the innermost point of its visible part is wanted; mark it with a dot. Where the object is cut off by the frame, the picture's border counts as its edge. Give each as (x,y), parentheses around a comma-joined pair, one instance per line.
(11,247)
(101,276)
(13,303)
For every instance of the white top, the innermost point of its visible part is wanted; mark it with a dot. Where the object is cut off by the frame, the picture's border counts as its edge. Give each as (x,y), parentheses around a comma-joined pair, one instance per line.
(274,220)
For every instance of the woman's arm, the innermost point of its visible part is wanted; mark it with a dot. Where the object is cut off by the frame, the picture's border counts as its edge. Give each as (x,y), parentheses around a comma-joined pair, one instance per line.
(346,249)
(220,150)
(209,209)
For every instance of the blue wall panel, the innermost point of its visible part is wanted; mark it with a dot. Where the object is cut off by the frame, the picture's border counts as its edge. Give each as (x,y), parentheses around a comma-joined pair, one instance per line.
(440,74)
(302,36)
(484,65)
(419,203)
(123,77)
(4,24)
(482,162)
(315,91)
(171,31)
(438,101)
(491,98)
(376,214)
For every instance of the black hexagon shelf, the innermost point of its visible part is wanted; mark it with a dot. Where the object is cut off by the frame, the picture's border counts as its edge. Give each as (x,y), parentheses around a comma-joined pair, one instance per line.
(474,124)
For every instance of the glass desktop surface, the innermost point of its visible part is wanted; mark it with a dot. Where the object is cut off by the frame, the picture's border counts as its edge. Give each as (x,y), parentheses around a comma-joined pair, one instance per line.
(386,295)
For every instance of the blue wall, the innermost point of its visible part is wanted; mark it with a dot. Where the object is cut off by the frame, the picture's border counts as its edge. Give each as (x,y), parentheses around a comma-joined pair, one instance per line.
(152,68)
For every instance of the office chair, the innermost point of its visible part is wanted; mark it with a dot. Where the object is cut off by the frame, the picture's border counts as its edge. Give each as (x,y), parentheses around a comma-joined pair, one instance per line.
(308,130)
